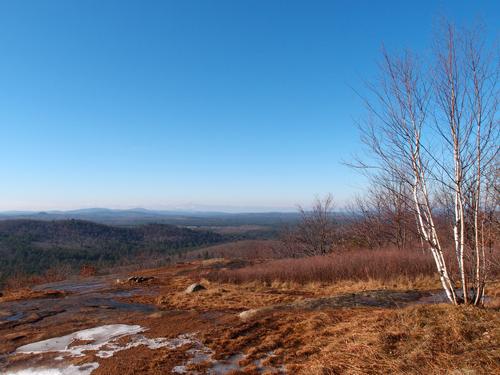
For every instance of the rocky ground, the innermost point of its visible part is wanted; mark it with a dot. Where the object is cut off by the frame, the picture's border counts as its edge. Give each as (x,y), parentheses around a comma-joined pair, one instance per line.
(152,323)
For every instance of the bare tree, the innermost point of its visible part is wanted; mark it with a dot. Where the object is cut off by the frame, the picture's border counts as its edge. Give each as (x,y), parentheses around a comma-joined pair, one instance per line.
(383,215)
(435,128)
(315,232)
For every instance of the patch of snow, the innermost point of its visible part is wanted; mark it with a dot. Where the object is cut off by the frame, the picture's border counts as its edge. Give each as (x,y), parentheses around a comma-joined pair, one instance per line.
(97,337)
(103,340)
(230,364)
(199,353)
(85,369)
(156,343)
(182,369)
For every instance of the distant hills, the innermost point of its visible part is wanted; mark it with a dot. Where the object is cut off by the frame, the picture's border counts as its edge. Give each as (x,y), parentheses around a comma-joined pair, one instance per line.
(34,246)
(34,242)
(139,216)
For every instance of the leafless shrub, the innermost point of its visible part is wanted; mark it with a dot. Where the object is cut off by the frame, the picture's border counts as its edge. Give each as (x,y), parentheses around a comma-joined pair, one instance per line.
(244,249)
(315,234)
(20,280)
(358,265)
(88,270)
(382,217)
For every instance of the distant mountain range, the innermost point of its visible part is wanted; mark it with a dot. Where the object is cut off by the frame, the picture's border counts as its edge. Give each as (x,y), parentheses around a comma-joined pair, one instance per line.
(138,216)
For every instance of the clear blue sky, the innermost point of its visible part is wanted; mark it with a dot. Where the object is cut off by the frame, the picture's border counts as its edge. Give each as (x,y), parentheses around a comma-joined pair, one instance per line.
(219,104)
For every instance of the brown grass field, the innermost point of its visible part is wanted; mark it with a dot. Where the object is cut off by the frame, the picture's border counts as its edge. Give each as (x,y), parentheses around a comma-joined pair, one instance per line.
(416,338)
(299,329)
(361,265)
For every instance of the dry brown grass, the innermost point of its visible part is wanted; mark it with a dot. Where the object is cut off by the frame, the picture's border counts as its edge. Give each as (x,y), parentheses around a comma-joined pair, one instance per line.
(26,293)
(423,339)
(415,340)
(249,295)
(419,339)
(223,296)
(53,274)
(360,265)
(244,249)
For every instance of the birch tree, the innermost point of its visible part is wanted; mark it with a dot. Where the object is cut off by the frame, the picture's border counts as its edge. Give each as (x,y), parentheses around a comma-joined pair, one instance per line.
(434,127)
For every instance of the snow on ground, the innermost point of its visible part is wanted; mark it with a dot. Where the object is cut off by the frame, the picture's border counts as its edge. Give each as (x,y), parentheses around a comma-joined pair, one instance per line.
(85,369)
(103,340)
(97,338)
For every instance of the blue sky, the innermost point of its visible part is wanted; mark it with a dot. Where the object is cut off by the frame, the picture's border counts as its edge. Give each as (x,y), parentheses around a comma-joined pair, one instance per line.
(235,105)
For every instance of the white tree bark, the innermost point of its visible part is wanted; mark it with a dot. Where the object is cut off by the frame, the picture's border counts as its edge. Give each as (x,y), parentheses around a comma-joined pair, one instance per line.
(458,102)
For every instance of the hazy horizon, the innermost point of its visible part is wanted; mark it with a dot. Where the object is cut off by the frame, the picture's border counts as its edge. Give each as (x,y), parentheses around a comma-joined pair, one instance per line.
(188,208)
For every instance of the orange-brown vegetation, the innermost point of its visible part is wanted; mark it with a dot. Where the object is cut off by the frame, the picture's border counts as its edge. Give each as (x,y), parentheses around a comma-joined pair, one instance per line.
(88,270)
(362,265)
(27,293)
(411,340)
(414,338)
(244,249)
(22,280)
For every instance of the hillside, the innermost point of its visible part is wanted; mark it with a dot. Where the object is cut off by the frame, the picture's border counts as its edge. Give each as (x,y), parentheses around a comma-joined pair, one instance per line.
(139,216)
(31,246)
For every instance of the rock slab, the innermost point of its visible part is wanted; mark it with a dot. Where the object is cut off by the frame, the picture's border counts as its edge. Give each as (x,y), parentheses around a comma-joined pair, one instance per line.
(195,288)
